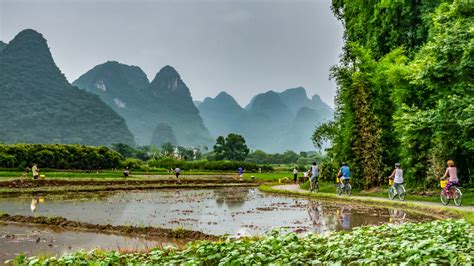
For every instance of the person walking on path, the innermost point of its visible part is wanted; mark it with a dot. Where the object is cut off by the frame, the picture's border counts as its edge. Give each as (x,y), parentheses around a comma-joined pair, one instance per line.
(35,171)
(241,173)
(295,174)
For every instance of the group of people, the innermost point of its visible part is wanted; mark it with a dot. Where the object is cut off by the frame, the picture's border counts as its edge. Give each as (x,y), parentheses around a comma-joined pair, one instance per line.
(344,175)
(451,172)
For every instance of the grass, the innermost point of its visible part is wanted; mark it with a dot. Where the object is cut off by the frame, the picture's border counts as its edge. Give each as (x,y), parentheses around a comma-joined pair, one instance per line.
(103,174)
(269,176)
(438,210)
(329,187)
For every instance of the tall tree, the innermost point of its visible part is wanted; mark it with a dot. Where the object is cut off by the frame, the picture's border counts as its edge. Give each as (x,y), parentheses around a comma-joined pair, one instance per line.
(232,148)
(404,88)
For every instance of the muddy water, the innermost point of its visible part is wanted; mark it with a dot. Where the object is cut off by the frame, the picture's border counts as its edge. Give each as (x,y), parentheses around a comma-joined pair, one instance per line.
(34,240)
(234,211)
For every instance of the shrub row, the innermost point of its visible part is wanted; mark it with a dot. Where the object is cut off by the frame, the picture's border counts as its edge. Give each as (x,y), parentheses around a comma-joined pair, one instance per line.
(58,156)
(168,163)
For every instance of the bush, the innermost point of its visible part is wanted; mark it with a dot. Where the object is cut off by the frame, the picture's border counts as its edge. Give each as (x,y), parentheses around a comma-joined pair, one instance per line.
(168,162)
(58,156)
(132,163)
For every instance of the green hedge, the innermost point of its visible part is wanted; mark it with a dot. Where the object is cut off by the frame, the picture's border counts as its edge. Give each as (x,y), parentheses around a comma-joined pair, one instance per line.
(168,163)
(58,156)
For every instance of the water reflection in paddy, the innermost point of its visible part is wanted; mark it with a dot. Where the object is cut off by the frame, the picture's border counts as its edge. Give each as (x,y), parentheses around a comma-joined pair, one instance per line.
(36,240)
(235,211)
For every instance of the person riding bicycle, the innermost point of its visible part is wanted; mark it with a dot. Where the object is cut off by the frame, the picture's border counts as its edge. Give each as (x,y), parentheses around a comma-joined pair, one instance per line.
(397,176)
(344,174)
(453,175)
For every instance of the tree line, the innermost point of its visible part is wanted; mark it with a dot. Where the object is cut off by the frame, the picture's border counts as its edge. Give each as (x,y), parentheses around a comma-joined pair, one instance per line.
(404,90)
(58,156)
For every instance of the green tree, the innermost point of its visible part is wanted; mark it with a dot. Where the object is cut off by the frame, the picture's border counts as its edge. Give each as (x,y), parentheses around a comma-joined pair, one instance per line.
(404,89)
(232,148)
(167,149)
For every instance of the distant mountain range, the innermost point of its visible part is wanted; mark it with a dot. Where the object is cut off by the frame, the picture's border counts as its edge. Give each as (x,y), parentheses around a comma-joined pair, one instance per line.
(38,105)
(156,112)
(272,121)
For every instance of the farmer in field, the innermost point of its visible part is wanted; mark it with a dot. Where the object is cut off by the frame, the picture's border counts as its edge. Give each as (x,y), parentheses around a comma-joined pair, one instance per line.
(295,174)
(35,171)
(314,176)
(126,172)
(177,171)
(241,173)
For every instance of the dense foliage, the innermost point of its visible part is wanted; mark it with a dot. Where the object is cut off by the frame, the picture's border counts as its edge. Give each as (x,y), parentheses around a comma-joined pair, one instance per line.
(288,157)
(232,147)
(169,162)
(58,156)
(438,242)
(38,105)
(405,90)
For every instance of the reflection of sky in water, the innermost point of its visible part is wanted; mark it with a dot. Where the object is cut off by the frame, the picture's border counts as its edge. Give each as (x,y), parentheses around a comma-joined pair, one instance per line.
(232,211)
(32,240)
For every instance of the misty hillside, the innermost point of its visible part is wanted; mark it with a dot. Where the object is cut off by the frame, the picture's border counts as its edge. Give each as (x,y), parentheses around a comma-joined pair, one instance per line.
(38,105)
(163,106)
(272,121)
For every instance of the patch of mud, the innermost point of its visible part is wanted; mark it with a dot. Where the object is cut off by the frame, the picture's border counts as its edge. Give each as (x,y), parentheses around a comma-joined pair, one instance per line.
(28,183)
(216,211)
(116,229)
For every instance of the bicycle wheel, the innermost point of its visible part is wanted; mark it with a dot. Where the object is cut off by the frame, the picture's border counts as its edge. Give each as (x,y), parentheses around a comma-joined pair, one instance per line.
(402,193)
(457,197)
(338,189)
(444,197)
(391,192)
(348,189)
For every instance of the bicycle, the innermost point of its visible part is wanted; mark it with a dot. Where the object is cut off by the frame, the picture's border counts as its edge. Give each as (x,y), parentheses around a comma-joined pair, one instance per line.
(401,192)
(343,187)
(453,193)
(315,186)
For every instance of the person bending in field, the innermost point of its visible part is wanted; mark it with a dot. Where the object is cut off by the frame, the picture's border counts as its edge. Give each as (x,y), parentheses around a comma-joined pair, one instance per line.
(126,172)
(397,176)
(35,171)
(177,171)
(241,173)
(453,175)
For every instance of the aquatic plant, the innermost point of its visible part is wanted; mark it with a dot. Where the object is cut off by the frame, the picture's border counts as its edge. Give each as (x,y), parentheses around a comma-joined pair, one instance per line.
(443,242)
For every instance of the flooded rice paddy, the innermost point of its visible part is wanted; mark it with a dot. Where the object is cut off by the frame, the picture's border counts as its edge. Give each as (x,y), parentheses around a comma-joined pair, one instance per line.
(234,211)
(37,240)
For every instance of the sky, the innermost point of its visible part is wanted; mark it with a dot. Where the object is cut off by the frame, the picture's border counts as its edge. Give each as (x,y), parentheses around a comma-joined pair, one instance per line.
(242,47)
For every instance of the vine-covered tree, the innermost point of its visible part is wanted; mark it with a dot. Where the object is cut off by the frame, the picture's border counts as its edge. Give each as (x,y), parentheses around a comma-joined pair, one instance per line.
(405,89)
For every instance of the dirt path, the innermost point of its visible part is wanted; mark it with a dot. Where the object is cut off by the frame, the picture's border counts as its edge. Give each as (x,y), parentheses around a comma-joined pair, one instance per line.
(297,188)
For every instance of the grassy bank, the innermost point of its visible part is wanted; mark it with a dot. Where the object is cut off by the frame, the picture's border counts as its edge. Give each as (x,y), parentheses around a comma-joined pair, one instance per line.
(436,210)
(438,242)
(413,194)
